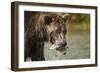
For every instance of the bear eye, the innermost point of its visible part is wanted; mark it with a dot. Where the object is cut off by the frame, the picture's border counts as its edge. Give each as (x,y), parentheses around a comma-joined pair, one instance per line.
(53,33)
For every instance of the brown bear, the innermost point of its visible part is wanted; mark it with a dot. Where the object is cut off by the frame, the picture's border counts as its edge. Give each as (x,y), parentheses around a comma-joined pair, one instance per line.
(40,27)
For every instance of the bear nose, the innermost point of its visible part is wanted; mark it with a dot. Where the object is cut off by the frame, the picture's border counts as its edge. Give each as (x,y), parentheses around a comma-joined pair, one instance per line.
(64,44)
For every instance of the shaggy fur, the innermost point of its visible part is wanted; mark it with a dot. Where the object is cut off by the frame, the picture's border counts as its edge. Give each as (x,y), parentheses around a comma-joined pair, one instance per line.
(36,33)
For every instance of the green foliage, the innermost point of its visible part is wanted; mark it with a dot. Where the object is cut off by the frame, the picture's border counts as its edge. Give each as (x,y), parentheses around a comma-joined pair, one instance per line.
(79,22)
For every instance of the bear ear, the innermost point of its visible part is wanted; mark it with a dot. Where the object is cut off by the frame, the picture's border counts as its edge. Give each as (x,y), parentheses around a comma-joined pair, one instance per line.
(48,20)
(65,17)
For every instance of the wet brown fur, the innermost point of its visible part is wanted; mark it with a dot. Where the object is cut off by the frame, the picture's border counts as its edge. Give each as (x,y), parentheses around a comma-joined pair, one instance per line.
(35,33)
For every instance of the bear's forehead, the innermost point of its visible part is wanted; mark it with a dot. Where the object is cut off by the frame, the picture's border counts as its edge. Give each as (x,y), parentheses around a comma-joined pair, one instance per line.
(56,17)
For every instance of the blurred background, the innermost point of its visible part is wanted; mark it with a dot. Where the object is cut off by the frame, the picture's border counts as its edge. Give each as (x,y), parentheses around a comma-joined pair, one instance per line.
(78,22)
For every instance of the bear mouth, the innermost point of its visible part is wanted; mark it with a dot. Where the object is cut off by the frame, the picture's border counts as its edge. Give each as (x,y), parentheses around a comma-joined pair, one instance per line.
(61,49)
(58,48)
